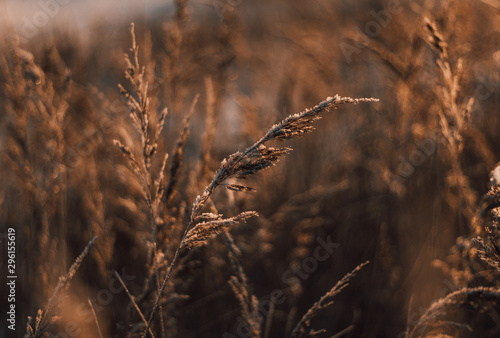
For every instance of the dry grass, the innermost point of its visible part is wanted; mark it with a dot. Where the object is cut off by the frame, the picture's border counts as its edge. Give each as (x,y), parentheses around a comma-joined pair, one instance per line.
(158,154)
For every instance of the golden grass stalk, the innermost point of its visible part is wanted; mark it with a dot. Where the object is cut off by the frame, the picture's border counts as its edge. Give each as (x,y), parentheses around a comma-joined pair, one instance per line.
(243,164)
(239,284)
(95,318)
(455,118)
(45,318)
(475,299)
(132,300)
(302,329)
(179,153)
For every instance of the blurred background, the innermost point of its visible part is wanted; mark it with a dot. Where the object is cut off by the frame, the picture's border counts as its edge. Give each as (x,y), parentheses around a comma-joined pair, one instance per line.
(379,180)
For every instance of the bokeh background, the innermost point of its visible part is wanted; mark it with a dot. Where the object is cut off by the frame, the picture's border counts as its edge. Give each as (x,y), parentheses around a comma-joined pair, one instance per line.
(377,179)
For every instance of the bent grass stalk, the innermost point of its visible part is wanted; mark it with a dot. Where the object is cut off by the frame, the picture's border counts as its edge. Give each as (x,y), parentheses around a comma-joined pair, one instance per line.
(44,319)
(242,164)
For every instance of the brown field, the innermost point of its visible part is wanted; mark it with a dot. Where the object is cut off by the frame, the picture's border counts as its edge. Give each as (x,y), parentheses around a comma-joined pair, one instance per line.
(239,168)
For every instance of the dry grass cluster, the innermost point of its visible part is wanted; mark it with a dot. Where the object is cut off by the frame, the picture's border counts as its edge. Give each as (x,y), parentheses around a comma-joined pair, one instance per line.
(140,151)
